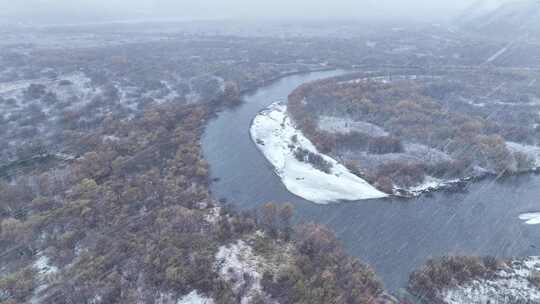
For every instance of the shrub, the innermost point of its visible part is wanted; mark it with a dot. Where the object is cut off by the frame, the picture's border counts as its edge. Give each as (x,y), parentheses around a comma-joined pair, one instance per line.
(448,272)
(34,91)
(317,161)
(404,175)
(65,82)
(324,141)
(385,145)
(18,287)
(384,184)
(354,140)
(496,155)
(353,167)
(448,169)
(321,273)
(523,161)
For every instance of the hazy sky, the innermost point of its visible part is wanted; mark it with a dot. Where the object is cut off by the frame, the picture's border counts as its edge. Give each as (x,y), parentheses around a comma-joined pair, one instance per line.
(88,10)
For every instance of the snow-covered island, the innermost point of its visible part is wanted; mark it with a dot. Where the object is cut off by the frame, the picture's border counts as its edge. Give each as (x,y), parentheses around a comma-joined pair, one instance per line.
(279,140)
(287,148)
(400,135)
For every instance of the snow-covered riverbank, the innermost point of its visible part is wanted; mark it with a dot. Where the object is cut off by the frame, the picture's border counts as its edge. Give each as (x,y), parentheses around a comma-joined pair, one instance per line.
(277,138)
(516,283)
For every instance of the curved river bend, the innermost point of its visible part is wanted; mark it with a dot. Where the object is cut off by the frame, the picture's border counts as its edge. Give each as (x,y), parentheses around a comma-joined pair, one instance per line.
(395,236)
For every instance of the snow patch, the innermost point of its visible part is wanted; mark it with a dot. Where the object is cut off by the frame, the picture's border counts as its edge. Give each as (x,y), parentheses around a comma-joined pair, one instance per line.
(44,266)
(236,262)
(510,285)
(45,276)
(334,124)
(111,138)
(273,132)
(531,151)
(194,298)
(387,79)
(429,183)
(213,215)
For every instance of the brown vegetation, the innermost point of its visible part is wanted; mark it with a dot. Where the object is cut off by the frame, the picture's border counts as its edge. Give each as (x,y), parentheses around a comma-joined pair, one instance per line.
(449,272)
(314,159)
(322,273)
(128,221)
(409,112)
(401,174)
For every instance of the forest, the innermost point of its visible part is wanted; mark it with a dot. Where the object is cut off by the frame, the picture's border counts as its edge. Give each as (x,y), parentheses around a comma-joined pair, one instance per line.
(430,131)
(128,219)
(108,201)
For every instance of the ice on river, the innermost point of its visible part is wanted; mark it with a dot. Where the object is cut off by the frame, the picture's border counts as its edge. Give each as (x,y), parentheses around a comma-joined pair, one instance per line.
(532,218)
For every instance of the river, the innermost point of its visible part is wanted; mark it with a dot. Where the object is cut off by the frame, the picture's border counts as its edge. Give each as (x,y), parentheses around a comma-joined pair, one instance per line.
(394,236)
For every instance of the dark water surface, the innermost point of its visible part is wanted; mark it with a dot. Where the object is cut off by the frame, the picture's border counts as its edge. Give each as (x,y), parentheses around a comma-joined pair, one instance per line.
(395,236)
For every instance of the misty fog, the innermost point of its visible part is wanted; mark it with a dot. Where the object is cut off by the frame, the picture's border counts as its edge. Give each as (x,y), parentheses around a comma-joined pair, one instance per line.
(66,11)
(269,151)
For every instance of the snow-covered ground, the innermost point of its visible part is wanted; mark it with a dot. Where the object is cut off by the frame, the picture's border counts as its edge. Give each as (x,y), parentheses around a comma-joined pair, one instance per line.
(388,78)
(43,265)
(430,184)
(334,124)
(273,132)
(413,153)
(13,86)
(532,151)
(45,273)
(213,215)
(510,285)
(239,264)
(194,298)
(236,262)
